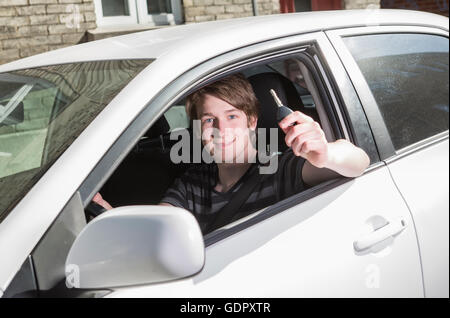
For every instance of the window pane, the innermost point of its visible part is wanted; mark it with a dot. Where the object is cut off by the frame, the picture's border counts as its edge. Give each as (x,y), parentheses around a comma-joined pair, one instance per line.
(302,5)
(408,76)
(43,110)
(159,6)
(113,8)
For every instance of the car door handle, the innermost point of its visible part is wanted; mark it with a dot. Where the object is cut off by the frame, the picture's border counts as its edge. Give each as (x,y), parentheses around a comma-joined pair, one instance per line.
(379,235)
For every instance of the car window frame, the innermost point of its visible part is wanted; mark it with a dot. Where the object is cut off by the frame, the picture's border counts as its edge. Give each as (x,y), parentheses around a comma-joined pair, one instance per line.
(381,134)
(338,88)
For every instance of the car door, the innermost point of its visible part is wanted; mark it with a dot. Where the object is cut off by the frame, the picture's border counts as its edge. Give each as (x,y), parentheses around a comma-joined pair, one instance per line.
(412,63)
(343,238)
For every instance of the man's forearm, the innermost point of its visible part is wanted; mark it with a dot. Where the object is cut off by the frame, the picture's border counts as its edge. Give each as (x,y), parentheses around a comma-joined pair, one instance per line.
(346,159)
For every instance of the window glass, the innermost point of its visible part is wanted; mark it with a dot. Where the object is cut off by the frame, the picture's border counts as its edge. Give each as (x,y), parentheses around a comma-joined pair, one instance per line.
(138,12)
(177,118)
(408,76)
(43,110)
(115,8)
(159,6)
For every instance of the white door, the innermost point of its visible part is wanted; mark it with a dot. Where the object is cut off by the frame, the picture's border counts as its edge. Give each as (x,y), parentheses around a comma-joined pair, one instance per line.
(423,179)
(405,71)
(308,250)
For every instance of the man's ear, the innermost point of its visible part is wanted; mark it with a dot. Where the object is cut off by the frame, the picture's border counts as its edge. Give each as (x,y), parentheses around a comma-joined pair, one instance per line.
(252,122)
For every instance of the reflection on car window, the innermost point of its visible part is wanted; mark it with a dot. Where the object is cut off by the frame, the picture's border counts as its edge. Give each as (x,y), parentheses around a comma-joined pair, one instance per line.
(408,76)
(43,110)
(177,118)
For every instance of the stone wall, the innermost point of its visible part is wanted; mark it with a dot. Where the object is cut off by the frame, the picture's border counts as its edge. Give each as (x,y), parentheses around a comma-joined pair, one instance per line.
(209,10)
(29,27)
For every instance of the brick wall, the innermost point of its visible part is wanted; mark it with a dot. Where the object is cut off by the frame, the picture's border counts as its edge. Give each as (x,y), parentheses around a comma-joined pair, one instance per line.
(361,4)
(433,6)
(209,10)
(29,27)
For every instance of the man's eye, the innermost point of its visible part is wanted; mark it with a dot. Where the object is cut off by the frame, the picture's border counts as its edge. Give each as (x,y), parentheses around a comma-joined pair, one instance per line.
(208,120)
(232,116)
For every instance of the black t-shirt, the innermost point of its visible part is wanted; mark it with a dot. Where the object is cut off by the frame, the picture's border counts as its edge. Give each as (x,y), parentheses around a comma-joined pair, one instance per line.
(194,190)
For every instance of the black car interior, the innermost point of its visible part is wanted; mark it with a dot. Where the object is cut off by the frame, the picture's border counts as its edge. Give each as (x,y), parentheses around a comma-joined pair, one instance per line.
(147,171)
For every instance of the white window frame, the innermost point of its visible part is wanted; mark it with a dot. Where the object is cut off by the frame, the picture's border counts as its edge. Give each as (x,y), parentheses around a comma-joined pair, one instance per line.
(139,15)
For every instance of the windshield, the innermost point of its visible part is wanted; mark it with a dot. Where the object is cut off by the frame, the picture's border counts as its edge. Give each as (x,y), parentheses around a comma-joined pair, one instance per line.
(43,110)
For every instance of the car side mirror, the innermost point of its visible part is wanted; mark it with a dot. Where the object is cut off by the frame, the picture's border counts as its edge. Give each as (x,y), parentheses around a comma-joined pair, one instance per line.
(136,245)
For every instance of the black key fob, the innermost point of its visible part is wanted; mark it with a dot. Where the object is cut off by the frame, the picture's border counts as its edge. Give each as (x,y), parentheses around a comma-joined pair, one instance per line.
(283,111)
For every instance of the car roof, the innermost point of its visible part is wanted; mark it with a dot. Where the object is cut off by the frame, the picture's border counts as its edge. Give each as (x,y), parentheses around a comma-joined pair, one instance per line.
(223,35)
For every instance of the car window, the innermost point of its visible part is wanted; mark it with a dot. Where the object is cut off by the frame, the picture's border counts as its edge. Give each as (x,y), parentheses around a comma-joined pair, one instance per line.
(408,76)
(177,117)
(43,110)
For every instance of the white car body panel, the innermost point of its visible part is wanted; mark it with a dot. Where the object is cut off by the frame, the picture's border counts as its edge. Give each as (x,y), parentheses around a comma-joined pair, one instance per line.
(422,178)
(200,42)
(314,240)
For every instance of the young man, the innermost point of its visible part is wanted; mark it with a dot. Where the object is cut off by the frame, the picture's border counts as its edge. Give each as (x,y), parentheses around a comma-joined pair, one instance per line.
(228,114)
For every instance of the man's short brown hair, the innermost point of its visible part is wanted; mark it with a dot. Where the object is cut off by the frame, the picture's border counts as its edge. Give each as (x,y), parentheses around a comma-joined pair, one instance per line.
(235,89)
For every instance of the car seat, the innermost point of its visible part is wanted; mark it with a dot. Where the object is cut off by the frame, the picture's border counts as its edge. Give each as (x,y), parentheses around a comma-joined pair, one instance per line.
(146,172)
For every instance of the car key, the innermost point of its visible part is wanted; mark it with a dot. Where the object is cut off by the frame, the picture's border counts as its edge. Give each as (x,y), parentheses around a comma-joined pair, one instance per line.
(283,111)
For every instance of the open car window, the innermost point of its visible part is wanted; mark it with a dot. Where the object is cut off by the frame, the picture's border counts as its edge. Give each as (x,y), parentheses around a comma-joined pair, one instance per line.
(148,171)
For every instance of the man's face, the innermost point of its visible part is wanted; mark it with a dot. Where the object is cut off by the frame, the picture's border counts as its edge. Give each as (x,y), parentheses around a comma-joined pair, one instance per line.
(225,130)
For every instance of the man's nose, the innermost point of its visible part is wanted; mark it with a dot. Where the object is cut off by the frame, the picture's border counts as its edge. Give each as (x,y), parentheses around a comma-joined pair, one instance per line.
(221,126)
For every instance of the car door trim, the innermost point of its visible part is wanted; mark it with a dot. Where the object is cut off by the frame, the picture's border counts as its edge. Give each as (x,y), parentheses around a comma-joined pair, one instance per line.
(418,146)
(272,210)
(352,110)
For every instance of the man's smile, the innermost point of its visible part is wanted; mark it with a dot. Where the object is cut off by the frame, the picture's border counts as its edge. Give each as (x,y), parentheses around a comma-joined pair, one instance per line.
(224,143)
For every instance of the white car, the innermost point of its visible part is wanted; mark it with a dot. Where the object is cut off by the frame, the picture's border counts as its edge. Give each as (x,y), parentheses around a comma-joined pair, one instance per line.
(98,117)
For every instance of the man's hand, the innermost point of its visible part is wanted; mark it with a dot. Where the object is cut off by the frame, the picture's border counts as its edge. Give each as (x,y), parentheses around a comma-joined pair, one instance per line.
(306,138)
(100,201)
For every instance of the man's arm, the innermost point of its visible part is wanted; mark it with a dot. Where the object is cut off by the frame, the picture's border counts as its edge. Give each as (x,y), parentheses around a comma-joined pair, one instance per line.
(324,160)
(344,159)
(100,201)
